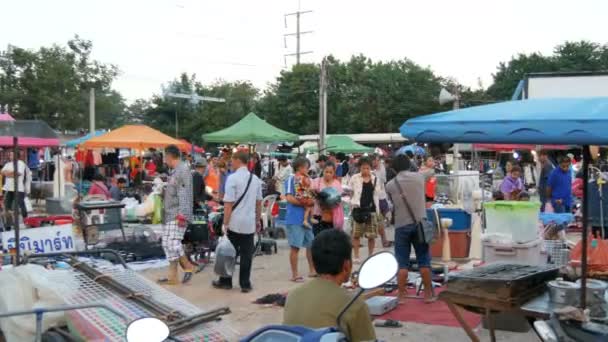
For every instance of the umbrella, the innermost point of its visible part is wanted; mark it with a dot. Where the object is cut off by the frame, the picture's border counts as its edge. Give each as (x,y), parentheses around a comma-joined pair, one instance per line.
(189,148)
(576,121)
(413,149)
(27,131)
(250,129)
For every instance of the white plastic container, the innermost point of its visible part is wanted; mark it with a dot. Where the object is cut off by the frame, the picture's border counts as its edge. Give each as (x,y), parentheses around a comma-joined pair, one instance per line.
(529,253)
(517,219)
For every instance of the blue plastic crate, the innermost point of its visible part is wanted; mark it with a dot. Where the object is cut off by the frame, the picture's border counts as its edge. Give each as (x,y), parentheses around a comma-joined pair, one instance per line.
(461,219)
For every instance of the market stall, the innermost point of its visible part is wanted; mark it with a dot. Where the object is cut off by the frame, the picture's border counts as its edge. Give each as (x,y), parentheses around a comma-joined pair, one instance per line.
(574,121)
(250,130)
(25,133)
(105,216)
(344,144)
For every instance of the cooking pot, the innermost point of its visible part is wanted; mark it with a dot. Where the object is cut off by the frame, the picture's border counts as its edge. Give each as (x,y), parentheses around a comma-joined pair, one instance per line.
(564,292)
(596,291)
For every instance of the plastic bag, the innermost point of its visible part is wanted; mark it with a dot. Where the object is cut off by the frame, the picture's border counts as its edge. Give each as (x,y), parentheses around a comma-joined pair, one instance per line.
(597,254)
(225,258)
(28,205)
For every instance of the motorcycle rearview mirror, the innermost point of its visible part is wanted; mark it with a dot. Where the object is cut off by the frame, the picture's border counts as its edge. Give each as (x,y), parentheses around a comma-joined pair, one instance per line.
(147,329)
(375,271)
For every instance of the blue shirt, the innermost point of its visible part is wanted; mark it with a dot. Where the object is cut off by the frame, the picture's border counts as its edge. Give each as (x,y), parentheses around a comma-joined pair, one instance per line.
(560,182)
(223,180)
(295,213)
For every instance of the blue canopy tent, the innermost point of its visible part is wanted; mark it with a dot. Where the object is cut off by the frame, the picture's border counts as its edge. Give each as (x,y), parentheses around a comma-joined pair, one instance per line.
(83,139)
(574,121)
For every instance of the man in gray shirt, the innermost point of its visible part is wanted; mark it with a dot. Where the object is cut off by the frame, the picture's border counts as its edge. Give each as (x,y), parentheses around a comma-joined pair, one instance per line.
(406,192)
(242,214)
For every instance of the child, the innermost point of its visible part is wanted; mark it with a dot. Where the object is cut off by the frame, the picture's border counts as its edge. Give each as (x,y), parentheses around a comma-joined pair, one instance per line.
(305,195)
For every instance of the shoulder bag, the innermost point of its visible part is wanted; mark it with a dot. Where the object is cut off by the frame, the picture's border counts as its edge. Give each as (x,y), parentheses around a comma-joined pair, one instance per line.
(238,201)
(425,232)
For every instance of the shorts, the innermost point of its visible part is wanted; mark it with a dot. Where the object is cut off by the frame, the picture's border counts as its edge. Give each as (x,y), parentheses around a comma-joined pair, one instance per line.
(368,230)
(299,236)
(405,237)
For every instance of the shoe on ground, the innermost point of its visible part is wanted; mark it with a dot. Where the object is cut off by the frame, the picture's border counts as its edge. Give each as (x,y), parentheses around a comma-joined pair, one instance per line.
(246,289)
(187,277)
(219,285)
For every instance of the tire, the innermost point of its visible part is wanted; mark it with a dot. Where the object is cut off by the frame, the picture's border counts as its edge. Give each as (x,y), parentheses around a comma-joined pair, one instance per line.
(52,336)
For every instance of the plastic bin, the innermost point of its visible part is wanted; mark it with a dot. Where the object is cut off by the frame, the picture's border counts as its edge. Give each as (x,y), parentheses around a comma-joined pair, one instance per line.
(516,219)
(461,219)
(460,243)
(529,253)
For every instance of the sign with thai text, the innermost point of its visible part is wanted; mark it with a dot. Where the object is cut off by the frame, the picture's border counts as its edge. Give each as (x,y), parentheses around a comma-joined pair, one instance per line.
(49,239)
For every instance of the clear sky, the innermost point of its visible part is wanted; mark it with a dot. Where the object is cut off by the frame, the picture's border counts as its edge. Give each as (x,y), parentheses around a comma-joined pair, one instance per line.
(152,41)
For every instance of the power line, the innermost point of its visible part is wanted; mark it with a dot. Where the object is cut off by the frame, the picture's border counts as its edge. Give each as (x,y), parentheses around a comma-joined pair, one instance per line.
(297,34)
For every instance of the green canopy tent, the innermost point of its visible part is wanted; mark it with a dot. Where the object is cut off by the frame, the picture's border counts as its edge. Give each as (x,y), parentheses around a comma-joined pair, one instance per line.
(249,130)
(345,144)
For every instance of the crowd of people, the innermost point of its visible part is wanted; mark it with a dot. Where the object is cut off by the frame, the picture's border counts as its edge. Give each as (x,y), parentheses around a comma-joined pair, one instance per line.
(558,183)
(381,191)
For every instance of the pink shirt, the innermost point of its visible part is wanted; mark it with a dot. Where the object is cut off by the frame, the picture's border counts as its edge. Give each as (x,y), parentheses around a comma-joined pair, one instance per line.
(338,212)
(98,188)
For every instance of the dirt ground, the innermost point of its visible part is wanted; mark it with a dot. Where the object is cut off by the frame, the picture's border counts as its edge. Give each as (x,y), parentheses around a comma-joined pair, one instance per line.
(270,275)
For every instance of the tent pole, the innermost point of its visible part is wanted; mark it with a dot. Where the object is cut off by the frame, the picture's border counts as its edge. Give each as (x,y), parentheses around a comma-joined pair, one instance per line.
(15,196)
(586,160)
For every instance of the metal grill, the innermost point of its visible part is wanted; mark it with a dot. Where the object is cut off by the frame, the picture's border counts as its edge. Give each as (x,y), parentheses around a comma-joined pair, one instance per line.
(503,272)
(98,324)
(502,282)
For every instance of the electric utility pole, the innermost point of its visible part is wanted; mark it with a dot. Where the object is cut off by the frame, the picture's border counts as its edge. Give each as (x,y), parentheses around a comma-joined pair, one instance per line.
(194,99)
(297,34)
(92,111)
(323,81)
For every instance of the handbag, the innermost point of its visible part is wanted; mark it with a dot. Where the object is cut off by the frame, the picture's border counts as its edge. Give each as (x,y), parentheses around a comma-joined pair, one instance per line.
(362,215)
(425,232)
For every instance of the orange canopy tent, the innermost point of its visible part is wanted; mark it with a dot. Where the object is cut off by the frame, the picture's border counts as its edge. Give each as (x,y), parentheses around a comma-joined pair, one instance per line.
(139,137)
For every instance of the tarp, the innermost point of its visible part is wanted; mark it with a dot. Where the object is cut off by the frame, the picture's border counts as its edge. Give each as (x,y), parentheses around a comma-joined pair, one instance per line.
(573,121)
(82,139)
(138,137)
(31,133)
(511,147)
(345,144)
(188,147)
(250,129)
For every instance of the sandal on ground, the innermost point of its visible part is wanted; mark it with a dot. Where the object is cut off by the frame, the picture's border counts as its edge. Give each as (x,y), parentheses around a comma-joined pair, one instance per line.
(430,300)
(313,275)
(389,323)
(187,277)
(166,281)
(297,279)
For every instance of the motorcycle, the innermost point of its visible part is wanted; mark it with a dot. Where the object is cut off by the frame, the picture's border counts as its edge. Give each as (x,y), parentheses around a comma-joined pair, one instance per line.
(374,272)
(555,330)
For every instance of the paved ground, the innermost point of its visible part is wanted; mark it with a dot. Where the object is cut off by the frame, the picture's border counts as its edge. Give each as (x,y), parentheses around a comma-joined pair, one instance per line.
(270,275)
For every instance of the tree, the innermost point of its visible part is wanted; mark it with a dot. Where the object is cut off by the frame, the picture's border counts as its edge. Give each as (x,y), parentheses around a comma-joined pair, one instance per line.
(197,119)
(570,56)
(364,96)
(52,83)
